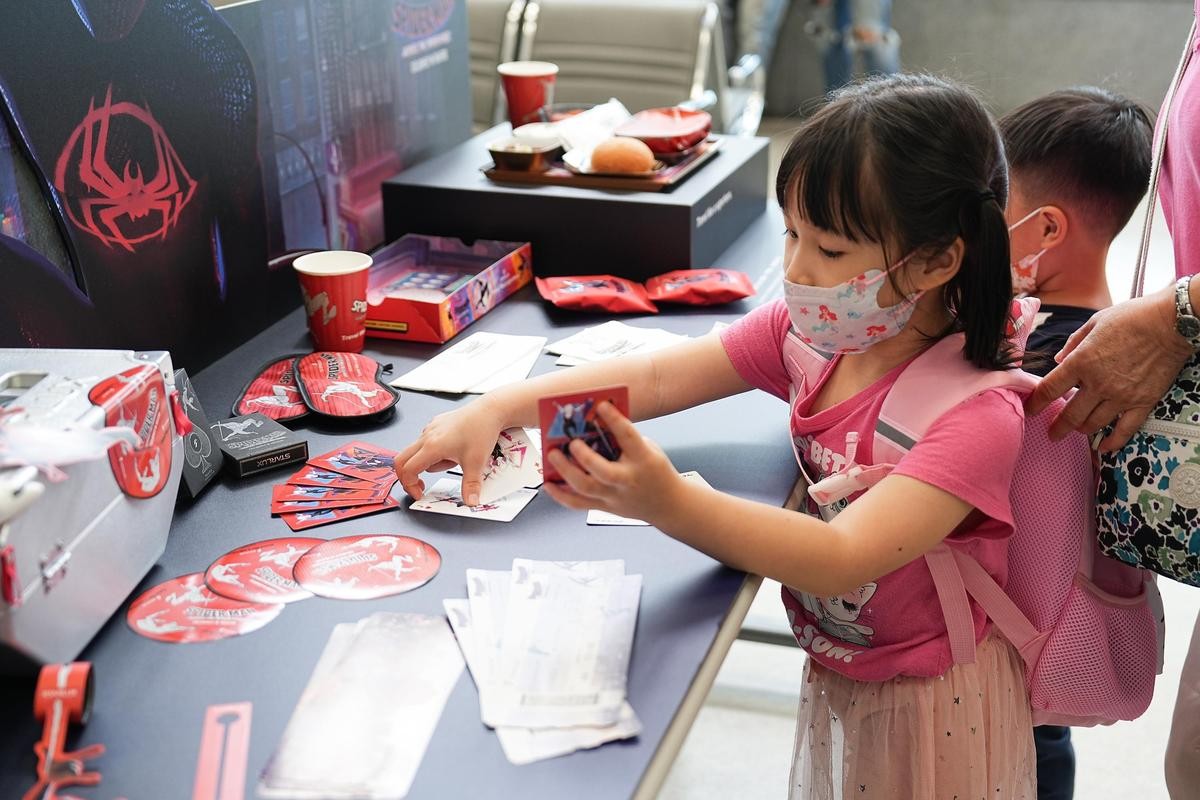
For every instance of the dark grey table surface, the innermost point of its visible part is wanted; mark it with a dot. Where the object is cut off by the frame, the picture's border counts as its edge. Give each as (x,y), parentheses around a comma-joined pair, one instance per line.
(151,697)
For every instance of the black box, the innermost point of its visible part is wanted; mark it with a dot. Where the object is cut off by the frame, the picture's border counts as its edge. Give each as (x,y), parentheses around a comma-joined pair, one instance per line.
(584,231)
(255,443)
(202,459)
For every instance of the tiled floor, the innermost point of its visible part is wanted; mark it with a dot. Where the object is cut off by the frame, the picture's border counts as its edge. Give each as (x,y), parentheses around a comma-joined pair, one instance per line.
(740,746)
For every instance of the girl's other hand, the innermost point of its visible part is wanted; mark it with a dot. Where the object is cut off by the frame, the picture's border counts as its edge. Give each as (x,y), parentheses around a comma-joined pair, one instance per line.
(640,484)
(465,436)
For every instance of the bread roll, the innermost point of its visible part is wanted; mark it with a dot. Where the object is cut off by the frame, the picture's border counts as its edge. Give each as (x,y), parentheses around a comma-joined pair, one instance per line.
(622,154)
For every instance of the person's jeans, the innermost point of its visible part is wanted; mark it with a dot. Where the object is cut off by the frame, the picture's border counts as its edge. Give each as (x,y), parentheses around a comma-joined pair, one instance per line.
(836,20)
(758,24)
(1055,762)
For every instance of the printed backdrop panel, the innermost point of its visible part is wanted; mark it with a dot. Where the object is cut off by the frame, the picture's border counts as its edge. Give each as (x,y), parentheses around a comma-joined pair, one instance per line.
(159,160)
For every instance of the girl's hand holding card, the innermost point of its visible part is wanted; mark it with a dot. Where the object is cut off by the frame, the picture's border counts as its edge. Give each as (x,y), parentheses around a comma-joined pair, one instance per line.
(465,436)
(640,484)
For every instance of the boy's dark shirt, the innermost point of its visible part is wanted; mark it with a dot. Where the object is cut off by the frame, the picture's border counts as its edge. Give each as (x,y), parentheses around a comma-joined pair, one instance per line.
(1050,337)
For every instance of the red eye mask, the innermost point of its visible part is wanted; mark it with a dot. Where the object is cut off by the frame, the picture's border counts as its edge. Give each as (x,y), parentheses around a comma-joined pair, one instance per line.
(699,287)
(596,293)
(344,385)
(273,393)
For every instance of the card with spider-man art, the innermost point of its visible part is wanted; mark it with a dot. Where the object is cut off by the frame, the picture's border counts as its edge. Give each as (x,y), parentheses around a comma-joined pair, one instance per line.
(344,385)
(273,392)
(360,460)
(567,417)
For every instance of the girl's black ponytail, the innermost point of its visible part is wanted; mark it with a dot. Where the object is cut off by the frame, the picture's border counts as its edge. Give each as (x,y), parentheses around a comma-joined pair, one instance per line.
(979,295)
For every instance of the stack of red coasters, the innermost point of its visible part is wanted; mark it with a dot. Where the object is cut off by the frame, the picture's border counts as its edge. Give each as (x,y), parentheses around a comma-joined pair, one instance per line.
(351,481)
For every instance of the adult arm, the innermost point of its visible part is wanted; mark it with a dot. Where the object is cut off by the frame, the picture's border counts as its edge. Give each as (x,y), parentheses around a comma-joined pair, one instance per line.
(1123,361)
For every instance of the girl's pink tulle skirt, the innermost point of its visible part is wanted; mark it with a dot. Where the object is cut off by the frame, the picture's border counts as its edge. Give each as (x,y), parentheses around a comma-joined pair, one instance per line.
(963,736)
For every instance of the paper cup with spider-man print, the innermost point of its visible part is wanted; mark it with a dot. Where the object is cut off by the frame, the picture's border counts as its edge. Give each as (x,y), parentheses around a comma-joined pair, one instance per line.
(334,286)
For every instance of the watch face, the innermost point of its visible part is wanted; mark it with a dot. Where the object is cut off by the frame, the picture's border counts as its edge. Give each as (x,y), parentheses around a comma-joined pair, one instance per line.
(1188,327)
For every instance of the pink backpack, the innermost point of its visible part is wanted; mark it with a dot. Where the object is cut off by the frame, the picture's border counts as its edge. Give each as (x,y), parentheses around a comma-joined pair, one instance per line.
(1088,628)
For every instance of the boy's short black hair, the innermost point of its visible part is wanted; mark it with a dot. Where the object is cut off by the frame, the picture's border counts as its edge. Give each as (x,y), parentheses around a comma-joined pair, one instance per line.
(1085,147)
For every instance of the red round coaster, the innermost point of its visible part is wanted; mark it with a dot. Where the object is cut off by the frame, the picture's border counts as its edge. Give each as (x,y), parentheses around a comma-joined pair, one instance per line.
(261,572)
(366,567)
(183,610)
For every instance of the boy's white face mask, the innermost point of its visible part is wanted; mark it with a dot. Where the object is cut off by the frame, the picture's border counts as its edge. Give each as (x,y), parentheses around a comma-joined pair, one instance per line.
(1024,272)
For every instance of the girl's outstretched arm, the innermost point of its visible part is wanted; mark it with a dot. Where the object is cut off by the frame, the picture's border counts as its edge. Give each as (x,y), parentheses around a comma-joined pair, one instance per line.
(662,382)
(895,522)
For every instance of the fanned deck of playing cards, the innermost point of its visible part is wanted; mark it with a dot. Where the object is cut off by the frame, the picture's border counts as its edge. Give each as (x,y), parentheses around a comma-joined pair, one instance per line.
(351,481)
(548,645)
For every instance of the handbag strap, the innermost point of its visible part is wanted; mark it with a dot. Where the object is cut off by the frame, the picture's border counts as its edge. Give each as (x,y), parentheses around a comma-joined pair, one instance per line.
(1160,146)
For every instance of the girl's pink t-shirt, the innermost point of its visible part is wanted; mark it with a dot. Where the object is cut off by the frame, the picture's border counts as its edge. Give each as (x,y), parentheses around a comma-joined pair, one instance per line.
(893,625)
(1179,181)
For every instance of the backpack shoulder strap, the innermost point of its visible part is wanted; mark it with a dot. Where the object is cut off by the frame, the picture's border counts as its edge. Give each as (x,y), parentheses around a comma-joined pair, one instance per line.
(804,364)
(940,379)
(935,382)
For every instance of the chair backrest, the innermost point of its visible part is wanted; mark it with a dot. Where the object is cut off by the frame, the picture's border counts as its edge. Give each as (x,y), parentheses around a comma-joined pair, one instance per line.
(494,28)
(646,53)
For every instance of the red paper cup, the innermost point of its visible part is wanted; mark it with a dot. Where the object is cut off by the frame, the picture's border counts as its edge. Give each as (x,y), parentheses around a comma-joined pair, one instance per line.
(334,286)
(528,86)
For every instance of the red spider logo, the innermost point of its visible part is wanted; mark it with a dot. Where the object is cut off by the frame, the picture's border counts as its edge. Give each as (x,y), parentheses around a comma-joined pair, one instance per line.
(121,204)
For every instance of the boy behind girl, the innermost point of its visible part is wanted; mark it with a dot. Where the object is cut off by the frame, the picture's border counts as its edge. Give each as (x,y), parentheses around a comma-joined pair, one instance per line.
(1079,163)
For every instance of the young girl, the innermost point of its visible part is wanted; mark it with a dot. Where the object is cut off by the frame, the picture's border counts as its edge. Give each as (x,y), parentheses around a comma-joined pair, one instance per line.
(893,194)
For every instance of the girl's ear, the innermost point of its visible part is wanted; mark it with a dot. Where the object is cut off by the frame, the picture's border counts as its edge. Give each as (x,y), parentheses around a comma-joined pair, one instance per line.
(1052,223)
(939,269)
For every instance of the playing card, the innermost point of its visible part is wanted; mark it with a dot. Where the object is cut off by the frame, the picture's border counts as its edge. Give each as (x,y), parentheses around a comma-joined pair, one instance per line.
(358,460)
(514,464)
(573,416)
(315,476)
(597,517)
(445,497)
(283,501)
(535,440)
(323,516)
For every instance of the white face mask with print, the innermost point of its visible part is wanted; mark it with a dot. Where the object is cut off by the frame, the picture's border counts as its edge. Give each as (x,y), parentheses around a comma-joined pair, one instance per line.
(847,318)
(1024,272)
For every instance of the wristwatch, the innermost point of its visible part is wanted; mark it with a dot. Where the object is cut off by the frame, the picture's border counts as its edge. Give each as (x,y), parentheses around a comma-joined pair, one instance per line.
(1187,324)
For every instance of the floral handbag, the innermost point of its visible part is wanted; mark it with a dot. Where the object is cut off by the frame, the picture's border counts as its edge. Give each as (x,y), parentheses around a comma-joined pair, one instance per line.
(1149,492)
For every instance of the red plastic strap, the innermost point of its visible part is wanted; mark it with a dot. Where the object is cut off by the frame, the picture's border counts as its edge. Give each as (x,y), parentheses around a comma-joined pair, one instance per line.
(10,585)
(183,423)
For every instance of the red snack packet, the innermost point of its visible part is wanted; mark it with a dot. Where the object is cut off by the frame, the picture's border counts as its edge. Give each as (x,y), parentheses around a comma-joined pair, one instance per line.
(699,287)
(596,293)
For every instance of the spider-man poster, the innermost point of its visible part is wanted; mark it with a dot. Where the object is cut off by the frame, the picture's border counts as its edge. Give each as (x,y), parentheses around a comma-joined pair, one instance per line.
(138,121)
(161,157)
